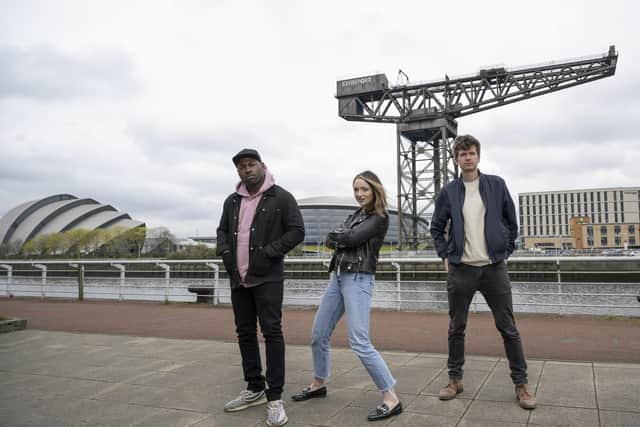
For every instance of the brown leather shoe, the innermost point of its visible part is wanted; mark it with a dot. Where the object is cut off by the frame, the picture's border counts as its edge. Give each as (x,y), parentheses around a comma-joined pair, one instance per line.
(526,399)
(451,390)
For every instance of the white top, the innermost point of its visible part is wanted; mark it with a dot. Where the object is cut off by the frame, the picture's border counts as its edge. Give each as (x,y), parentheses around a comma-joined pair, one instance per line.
(475,246)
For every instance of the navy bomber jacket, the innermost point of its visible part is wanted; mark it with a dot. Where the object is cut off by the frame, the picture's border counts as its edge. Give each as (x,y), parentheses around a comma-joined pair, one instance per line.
(500,223)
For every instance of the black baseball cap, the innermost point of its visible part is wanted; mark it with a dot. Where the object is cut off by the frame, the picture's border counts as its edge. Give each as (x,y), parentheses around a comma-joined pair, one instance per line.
(246,152)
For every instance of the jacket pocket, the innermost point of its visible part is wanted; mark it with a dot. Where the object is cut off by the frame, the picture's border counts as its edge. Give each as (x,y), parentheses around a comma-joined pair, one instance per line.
(271,218)
(260,263)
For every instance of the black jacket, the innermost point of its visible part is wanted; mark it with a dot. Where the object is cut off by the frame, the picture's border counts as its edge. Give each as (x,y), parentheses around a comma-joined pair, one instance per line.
(500,223)
(276,229)
(357,243)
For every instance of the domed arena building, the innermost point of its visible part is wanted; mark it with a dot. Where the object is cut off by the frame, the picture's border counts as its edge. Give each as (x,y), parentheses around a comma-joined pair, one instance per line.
(60,213)
(323,214)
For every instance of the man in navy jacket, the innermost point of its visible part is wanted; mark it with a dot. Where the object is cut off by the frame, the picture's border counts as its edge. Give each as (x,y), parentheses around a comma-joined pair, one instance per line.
(482,228)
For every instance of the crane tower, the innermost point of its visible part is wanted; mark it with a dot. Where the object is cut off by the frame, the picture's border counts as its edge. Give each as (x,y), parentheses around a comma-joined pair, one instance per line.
(425,116)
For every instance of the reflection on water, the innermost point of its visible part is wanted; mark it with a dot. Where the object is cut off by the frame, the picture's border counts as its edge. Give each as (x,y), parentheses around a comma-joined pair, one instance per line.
(598,298)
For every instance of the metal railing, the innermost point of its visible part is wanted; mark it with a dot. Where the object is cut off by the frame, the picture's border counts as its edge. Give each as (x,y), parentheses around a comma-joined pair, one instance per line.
(585,285)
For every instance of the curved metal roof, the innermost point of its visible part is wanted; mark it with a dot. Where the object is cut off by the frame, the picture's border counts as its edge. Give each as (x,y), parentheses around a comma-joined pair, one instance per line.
(21,213)
(57,213)
(341,203)
(334,202)
(66,220)
(328,201)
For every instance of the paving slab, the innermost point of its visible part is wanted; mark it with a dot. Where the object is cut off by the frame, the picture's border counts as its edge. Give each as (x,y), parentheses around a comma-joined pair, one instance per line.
(110,363)
(567,384)
(564,416)
(119,382)
(618,388)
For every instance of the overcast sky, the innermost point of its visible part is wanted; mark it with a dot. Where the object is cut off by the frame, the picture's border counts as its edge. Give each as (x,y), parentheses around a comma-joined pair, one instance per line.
(141,104)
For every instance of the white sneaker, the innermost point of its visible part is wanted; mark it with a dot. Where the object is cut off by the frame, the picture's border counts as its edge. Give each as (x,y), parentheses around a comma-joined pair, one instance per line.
(245,399)
(275,413)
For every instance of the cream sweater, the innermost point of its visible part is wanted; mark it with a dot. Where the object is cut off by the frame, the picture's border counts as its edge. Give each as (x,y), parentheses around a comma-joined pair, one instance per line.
(475,246)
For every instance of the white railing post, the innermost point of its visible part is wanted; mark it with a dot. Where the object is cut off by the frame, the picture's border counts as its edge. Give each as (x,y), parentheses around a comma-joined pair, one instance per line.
(80,269)
(216,278)
(167,279)
(9,276)
(43,268)
(398,283)
(559,280)
(122,270)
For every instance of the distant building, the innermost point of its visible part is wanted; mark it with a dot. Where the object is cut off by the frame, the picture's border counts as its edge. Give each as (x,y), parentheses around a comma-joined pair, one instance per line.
(59,213)
(324,214)
(204,239)
(580,219)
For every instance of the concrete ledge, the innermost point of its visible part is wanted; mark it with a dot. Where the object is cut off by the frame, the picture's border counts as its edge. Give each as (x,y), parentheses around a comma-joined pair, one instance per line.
(205,293)
(12,325)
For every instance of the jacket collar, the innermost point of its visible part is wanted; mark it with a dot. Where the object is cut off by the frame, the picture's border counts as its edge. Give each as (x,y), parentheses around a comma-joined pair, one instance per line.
(268,182)
(461,181)
(357,217)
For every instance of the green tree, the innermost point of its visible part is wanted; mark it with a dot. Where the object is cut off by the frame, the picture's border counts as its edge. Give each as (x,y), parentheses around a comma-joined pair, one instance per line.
(135,237)
(74,241)
(199,251)
(54,243)
(94,239)
(29,248)
(41,245)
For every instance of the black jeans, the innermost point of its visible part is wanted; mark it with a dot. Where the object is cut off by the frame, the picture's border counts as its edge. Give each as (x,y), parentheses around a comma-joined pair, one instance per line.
(493,283)
(261,303)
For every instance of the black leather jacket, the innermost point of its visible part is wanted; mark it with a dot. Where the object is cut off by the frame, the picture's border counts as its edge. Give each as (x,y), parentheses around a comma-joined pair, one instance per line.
(357,243)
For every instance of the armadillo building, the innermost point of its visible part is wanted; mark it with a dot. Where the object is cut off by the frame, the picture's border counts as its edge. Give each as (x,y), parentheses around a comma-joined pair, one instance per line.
(59,213)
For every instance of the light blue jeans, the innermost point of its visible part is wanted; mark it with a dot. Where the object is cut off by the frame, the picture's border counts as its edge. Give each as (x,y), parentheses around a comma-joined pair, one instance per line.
(348,293)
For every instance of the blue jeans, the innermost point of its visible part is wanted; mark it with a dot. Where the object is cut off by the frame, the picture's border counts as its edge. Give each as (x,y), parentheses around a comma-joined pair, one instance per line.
(348,293)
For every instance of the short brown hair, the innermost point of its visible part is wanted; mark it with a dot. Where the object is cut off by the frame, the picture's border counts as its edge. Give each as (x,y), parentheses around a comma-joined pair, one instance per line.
(379,204)
(465,142)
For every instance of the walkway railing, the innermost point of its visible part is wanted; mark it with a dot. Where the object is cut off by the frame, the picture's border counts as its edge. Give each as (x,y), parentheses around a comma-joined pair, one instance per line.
(586,285)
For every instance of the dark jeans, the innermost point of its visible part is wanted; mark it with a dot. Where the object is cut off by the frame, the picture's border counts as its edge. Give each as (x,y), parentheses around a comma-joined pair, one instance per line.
(493,283)
(261,303)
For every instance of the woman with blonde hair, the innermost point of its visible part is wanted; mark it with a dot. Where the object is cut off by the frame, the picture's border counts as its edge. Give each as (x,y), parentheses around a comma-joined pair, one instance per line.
(356,247)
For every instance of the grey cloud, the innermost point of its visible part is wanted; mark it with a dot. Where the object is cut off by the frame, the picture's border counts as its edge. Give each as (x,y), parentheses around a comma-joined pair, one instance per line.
(165,143)
(602,114)
(159,138)
(46,74)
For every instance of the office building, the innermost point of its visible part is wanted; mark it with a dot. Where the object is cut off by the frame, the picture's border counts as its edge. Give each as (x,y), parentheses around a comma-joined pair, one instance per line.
(580,219)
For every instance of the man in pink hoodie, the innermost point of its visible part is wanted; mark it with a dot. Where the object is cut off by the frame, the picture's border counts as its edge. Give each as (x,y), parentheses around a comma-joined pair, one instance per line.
(260,223)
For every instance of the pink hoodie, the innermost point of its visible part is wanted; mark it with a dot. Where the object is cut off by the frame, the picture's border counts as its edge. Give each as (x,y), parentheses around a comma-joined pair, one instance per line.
(248,207)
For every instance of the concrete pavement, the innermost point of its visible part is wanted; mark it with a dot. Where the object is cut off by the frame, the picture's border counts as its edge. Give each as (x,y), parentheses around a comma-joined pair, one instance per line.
(52,378)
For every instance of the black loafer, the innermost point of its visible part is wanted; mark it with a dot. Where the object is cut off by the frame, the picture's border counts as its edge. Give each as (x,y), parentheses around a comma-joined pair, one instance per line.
(307,394)
(383,411)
